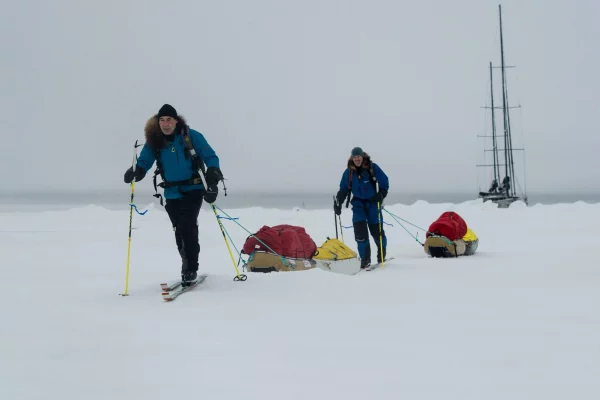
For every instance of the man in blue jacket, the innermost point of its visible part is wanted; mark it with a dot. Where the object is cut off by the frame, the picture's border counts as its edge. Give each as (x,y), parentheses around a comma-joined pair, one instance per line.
(183,186)
(360,179)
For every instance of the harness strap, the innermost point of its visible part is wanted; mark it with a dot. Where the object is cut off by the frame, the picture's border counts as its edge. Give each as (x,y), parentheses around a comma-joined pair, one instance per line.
(191,181)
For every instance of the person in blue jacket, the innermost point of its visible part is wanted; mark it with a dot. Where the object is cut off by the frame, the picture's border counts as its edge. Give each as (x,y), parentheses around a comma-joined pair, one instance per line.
(184,190)
(361,179)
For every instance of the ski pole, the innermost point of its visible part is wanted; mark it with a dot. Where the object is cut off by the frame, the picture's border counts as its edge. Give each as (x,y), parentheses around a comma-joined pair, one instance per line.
(335,219)
(133,164)
(237,271)
(338,218)
(380,230)
(238,277)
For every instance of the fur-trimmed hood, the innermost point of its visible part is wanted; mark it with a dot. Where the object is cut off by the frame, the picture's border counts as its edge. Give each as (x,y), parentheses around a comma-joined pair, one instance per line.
(366,164)
(154,136)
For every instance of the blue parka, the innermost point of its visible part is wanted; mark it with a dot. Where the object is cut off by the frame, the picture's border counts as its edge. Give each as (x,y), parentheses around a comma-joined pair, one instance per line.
(176,162)
(361,185)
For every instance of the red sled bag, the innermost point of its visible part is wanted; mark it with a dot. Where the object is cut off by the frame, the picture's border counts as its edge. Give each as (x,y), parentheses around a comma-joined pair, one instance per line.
(285,240)
(450,225)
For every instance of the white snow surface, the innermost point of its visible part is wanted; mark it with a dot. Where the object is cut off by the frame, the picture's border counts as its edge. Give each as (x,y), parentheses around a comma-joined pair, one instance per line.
(518,320)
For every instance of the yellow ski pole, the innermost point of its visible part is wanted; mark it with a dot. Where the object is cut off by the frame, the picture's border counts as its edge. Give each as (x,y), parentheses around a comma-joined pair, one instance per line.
(238,277)
(237,271)
(129,243)
(126,293)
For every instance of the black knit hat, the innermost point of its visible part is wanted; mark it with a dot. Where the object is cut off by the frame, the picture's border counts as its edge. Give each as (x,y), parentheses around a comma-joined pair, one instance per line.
(167,111)
(357,151)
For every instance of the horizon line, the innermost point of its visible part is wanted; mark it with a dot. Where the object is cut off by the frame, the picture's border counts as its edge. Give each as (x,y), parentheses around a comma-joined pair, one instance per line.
(284,191)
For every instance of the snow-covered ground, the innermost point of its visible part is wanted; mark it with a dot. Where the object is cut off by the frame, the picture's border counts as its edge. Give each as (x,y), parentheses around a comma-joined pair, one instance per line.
(518,320)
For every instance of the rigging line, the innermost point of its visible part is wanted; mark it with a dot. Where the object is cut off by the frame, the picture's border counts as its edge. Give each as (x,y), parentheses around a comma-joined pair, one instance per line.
(522,138)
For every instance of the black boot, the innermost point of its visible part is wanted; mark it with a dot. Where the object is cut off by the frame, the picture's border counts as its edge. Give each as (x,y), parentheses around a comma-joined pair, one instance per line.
(188,277)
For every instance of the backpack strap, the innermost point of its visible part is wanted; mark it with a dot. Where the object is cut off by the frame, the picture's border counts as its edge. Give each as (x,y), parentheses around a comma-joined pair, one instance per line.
(197,164)
(373,177)
(350,179)
(349,195)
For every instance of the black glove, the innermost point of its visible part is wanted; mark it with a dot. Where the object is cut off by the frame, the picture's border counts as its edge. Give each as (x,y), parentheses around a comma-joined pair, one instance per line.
(139,174)
(340,197)
(213,176)
(378,198)
(211,193)
(337,208)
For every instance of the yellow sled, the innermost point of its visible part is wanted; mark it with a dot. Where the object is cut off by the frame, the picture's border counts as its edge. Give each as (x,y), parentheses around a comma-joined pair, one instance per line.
(335,256)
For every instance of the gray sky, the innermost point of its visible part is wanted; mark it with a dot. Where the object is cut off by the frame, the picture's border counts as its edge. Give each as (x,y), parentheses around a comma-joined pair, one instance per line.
(284,89)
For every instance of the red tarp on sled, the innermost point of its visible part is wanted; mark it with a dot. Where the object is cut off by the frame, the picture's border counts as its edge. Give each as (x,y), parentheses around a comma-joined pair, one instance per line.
(449,224)
(285,240)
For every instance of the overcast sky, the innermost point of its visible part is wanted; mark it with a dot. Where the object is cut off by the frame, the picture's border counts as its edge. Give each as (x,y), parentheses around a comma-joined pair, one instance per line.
(283,90)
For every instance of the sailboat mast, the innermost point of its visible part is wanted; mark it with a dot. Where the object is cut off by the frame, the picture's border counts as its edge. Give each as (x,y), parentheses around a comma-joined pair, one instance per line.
(494,143)
(507,149)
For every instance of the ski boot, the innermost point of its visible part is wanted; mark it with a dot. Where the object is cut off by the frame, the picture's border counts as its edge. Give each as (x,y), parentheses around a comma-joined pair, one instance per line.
(187,278)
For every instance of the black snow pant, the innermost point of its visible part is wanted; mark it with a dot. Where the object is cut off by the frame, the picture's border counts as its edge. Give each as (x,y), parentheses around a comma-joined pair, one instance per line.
(361,235)
(183,214)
